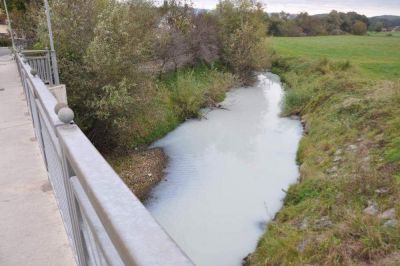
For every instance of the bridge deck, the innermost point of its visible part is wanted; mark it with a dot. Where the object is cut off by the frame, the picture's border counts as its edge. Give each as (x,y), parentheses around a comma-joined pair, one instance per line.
(31,229)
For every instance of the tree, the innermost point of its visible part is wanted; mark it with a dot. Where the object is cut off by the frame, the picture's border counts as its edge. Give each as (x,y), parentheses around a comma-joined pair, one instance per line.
(73,24)
(173,33)
(333,22)
(359,28)
(204,38)
(123,41)
(276,25)
(185,37)
(310,25)
(242,33)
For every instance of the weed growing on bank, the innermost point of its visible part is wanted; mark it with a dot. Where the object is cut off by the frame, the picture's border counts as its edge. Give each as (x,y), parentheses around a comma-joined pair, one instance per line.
(192,89)
(344,210)
(180,95)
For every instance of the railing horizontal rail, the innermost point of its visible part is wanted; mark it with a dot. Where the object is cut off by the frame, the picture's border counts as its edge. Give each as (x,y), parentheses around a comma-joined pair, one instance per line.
(24,52)
(105,222)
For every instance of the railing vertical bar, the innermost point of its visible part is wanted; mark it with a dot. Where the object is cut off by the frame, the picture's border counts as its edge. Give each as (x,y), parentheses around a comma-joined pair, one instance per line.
(40,69)
(49,69)
(35,65)
(93,257)
(39,133)
(45,71)
(42,64)
(105,246)
(72,207)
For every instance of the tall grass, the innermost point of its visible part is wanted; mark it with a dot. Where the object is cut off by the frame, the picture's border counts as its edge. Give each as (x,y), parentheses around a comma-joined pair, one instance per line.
(192,89)
(180,95)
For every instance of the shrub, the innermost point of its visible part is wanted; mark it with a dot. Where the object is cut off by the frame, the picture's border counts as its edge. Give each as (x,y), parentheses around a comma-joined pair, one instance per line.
(196,88)
(187,96)
(242,34)
(359,28)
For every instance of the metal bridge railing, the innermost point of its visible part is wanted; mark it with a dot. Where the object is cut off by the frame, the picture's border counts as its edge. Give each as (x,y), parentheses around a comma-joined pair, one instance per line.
(105,223)
(40,60)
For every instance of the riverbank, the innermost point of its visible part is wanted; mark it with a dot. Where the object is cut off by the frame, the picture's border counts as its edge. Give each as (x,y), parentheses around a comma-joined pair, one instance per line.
(344,210)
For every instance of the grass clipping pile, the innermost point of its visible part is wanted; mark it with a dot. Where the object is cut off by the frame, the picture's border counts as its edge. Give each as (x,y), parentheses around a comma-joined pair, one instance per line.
(345,209)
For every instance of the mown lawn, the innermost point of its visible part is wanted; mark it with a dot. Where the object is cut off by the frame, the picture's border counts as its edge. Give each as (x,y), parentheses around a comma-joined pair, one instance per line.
(376,55)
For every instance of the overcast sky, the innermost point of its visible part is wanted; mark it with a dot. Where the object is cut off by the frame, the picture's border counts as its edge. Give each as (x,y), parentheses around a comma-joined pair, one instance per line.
(366,7)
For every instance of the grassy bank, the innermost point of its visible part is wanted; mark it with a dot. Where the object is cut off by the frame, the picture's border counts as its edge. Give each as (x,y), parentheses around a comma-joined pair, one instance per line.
(344,210)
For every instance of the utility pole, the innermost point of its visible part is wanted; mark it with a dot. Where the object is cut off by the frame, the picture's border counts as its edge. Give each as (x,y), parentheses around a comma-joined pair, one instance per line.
(53,51)
(9,25)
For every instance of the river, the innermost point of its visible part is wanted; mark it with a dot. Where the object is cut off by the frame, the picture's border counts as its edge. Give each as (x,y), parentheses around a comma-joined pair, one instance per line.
(227,173)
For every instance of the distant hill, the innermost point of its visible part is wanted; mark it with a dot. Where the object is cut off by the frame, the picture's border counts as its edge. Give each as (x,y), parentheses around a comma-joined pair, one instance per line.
(387,21)
(384,23)
(320,15)
(387,17)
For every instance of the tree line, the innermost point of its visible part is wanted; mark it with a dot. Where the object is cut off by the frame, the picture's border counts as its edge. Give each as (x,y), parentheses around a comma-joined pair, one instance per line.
(303,24)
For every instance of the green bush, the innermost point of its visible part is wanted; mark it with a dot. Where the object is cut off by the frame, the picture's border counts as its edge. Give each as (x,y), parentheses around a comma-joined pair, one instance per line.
(187,96)
(242,36)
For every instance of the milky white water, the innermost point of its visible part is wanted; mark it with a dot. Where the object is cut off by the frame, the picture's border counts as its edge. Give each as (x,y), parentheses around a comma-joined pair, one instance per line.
(226,175)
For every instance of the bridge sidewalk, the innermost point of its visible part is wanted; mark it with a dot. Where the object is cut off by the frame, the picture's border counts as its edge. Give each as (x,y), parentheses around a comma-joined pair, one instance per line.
(31,229)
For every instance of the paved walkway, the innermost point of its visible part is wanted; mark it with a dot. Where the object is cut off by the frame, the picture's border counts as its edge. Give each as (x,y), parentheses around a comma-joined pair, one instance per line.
(31,229)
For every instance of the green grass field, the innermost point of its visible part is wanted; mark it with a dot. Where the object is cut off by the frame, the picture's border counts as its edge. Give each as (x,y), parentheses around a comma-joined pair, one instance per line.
(377,55)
